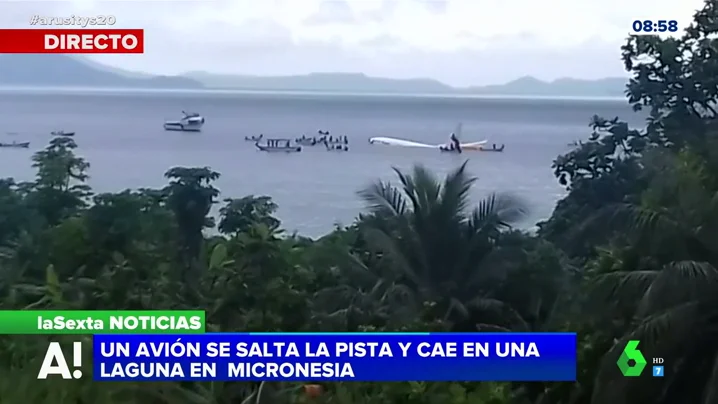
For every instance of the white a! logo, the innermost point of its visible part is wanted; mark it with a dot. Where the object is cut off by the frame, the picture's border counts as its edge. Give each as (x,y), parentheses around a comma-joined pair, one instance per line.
(55,363)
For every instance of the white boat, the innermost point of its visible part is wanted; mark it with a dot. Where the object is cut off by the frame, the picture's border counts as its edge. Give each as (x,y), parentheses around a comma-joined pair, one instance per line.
(190,122)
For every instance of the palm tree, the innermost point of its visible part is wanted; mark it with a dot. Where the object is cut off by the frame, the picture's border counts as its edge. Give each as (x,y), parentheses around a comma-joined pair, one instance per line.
(441,249)
(672,289)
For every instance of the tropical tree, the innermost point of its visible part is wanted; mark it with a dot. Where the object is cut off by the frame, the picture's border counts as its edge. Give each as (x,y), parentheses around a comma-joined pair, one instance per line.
(443,251)
(671,290)
(190,195)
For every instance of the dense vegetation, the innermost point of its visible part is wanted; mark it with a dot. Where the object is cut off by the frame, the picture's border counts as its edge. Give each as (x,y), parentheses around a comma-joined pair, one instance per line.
(628,253)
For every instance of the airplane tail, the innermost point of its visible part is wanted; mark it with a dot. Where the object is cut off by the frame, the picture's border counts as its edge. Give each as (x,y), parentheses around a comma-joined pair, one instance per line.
(455,136)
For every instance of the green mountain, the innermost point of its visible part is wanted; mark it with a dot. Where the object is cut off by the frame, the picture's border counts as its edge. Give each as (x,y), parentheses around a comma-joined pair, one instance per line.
(67,71)
(360,83)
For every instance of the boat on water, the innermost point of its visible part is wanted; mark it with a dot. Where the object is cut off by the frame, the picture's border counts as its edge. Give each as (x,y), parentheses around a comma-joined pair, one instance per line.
(279,145)
(254,139)
(62,133)
(306,141)
(493,148)
(17,145)
(190,122)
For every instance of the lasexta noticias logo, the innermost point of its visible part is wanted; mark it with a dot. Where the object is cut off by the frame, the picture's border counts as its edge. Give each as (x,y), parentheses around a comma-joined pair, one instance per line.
(631,353)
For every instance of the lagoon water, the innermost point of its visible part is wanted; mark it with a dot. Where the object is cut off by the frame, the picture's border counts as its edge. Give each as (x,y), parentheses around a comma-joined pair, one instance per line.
(120,133)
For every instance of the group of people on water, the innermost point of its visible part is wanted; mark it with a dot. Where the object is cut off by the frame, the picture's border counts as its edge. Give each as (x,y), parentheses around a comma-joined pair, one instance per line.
(454,145)
(336,147)
(324,138)
(332,143)
(340,143)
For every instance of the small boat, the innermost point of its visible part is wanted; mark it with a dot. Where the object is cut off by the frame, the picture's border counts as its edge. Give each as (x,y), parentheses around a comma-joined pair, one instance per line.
(254,139)
(62,133)
(17,145)
(278,145)
(337,147)
(190,122)
(493,148)
(448,149)
(306,141)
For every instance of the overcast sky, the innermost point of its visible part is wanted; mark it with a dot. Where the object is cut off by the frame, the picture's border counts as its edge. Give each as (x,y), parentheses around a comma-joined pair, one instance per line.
(460,42)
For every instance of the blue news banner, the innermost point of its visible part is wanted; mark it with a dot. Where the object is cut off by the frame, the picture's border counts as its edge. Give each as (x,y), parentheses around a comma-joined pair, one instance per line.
(334,357)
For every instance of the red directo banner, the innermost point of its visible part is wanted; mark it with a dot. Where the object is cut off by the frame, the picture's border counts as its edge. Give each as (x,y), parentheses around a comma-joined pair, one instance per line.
(72,41)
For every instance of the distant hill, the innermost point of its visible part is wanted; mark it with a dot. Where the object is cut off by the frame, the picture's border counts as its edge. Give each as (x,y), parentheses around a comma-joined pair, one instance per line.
(67,71)
(609,87)
(74,71)
(111,69)
(360,83)
(342,82)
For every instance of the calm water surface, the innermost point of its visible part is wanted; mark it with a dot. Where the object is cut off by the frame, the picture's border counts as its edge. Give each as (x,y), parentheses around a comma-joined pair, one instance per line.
(121,135)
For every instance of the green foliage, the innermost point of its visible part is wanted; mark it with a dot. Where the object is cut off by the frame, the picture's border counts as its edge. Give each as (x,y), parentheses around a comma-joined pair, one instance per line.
(629,253)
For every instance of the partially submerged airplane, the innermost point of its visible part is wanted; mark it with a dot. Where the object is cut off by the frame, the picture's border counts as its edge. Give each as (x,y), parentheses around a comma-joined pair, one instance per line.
(453,145)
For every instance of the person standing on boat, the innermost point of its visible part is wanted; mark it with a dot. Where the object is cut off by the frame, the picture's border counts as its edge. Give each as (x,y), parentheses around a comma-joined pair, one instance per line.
(455,143)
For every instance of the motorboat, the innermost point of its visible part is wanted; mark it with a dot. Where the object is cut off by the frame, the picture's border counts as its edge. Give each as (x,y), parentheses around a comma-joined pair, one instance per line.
(254,139)
(17,145)
(279,145)
(190,122)
(62,133)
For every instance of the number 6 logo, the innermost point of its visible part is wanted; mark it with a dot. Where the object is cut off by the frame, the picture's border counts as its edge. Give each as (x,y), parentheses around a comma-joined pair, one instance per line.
(631,352)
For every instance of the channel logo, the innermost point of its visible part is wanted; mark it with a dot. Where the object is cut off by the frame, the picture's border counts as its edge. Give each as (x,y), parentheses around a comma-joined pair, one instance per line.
(631,353)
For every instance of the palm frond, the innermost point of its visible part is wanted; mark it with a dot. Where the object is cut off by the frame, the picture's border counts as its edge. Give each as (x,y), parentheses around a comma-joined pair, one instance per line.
(384,199)
(677,283)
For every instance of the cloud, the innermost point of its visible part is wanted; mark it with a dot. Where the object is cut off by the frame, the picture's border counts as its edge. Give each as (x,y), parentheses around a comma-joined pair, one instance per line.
(332,12)
(435,6)
(461,42)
